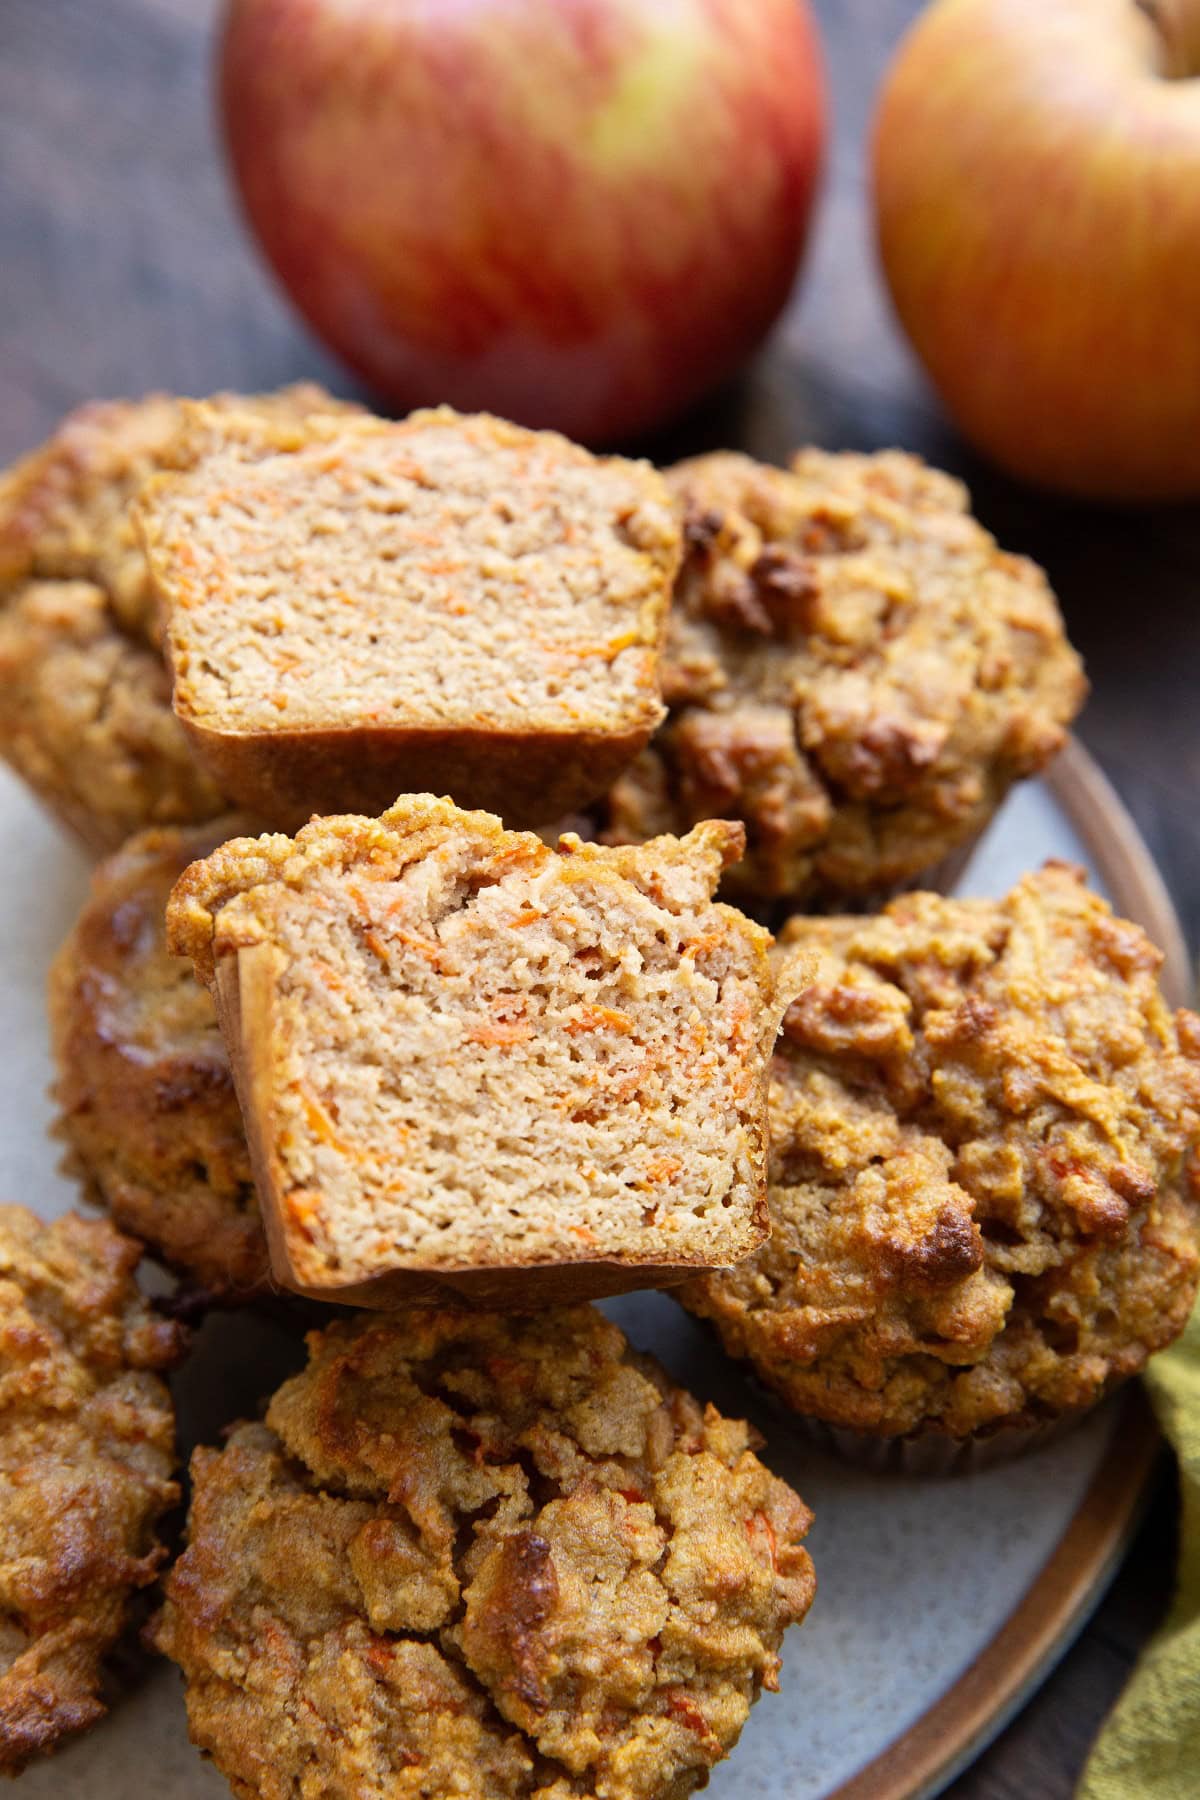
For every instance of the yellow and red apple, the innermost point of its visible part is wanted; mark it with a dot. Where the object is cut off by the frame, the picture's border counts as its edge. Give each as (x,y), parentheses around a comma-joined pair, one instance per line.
(579,213)
(1037,186)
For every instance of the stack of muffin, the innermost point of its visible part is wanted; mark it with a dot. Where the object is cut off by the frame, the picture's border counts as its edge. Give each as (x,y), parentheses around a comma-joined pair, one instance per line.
(323,1029)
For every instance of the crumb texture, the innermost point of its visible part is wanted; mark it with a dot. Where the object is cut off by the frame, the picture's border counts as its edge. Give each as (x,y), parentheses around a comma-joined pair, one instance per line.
(460,1048)
(984,1187)
(86,1453)
(442,572)
(85,700)
(853,669)
(145,1094)
(469,1554)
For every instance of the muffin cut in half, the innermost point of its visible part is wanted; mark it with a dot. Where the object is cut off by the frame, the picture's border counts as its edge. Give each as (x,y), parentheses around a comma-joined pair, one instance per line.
(355,608)
(87,1449)
(144,1089)
(475,1555)
(853,668)
(466,1058)
(984,1188)
(85,701)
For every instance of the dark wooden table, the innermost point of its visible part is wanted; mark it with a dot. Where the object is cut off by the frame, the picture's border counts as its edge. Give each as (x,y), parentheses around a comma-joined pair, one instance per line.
(123,267)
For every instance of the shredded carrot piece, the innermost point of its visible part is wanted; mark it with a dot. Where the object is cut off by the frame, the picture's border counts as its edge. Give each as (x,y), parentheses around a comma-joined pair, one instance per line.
(686,1710)
(376,945)
(758,1525)
(661,1168)
(710,941)
(501,1031)
(320,1123)
(302,1205)
(609,650)
(599,1018)
(426,947)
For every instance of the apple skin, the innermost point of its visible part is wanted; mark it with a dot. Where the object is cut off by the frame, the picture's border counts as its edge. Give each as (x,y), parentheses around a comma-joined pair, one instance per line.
(1037,193)
(577,213)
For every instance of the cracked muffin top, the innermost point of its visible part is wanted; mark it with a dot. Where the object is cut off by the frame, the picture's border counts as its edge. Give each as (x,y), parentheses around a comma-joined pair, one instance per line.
(853,668)
(87,1445)
(469,1554)
(145,1093)
(85,698)
(984,1185)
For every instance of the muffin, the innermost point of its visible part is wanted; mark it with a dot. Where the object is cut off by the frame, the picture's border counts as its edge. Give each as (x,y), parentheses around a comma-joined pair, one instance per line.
(146,1100)
(984,1183)
(356,609)
(468,1060)
(86,1453)
(85,699)
(471,1554)
(853,669)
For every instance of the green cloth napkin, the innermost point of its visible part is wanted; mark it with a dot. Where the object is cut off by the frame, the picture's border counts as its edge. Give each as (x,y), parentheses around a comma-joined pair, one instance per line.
(1149,1748)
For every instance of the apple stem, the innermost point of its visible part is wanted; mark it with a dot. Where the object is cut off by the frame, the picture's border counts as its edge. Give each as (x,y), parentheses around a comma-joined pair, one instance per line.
(1177,26)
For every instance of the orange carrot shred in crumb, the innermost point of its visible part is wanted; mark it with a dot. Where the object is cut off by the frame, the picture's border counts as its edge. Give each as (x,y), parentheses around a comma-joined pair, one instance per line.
(685,1709)
(662,1168)
(758,1525)
(500,1031)
(599,1018)
(320,1123)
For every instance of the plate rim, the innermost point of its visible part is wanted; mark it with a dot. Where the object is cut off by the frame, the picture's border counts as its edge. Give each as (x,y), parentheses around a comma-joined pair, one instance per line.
(948,1736)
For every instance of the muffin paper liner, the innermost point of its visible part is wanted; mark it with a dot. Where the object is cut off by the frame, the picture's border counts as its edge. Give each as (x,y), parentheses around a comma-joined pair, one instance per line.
(945,876)
(933,1452)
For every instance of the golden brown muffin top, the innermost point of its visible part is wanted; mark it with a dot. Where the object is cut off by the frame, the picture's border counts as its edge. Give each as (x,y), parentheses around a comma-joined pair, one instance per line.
(144,1087)
(984,1183)
(473,1553)
(853,668)
(86,720)
(86,1452)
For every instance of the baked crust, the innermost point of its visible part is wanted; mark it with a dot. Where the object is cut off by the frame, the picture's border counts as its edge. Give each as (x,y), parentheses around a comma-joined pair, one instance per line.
(359,608)
(471,1554)
(984,1188)
(86,1454)
(85,700)
(233,914)
(852,668)
(146,1099)
(525,776)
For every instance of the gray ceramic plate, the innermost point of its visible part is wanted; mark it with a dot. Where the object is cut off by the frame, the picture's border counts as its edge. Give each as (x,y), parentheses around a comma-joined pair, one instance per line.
(940,1604)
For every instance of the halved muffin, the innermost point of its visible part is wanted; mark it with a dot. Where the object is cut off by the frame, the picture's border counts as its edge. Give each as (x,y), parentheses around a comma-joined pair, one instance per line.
(466,1059)
(355,609)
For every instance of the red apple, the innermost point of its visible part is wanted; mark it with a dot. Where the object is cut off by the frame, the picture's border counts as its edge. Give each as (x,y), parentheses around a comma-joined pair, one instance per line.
(1037,184)
(578,213)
